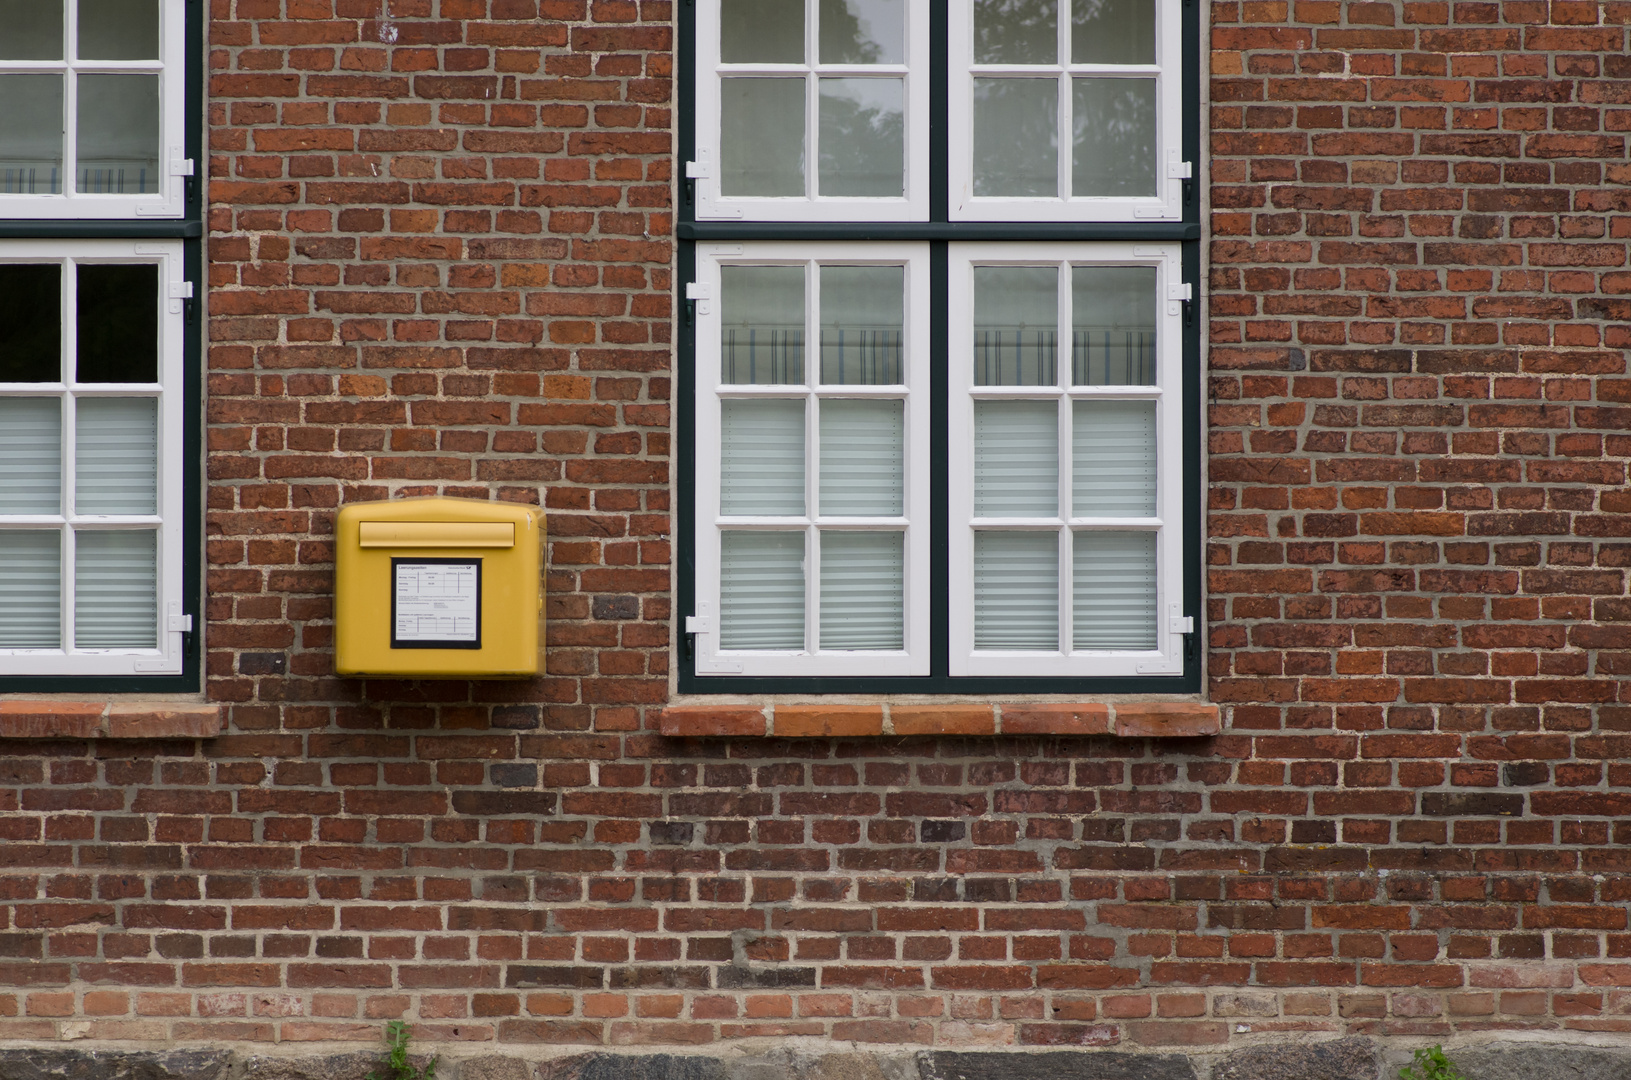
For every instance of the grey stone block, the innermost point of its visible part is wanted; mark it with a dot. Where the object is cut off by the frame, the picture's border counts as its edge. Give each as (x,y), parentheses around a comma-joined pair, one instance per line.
(355,1066)
(645,1067)
(1056,1065)
(55,1064)
(1341,1059)
(1546,1061)
(494,1067)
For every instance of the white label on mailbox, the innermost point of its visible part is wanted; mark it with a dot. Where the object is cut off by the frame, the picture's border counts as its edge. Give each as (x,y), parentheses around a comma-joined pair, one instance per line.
(438,602)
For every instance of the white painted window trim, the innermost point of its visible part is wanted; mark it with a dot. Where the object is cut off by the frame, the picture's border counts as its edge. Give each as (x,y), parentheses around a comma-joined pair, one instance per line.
(711,205)
(1167,205)
(68,660)
(174,167)
(1169,522)
(710,392)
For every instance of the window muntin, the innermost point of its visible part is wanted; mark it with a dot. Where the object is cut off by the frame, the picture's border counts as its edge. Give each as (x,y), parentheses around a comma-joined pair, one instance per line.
(812,496)
(1066,390)
(812,110)
(1065,119)
(93,121)
(90,458)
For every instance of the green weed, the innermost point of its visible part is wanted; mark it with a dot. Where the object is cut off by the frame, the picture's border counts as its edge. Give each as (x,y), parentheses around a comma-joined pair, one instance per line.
(395,1065)
(1431,1064)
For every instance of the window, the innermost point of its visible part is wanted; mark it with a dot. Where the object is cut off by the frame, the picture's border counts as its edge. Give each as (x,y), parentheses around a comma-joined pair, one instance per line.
(939,381)
(92,126)
(96,367)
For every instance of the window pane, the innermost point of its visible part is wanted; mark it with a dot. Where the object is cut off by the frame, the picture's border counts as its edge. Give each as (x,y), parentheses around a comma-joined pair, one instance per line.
(762,473)
(1016,137)
(1114,137)
(1114,471)
(762,336)
(119,29)
(30,321)
(863,589)
(761,590)
(1113,326)
(863,31)
(863,314)
(31,582)
(117,460)
(116,590)
(31,135)
(1016,590)
(761,31)
(1016,32)
(33,29)
(1016,326)
(863,137)
(1115,598)
(30,457)
(1016,459)
(863,458)
(118,134)
(761,136)
(1112,31)
(118,322)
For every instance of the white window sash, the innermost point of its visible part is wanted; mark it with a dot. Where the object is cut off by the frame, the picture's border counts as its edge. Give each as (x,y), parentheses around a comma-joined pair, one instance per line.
(168,201)
(1166,205)
(704,172)
(1169,521)
(711,658)
(70,660)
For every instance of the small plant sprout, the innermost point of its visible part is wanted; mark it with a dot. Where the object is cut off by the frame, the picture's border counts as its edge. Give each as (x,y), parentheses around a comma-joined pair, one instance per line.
(395,1065)
(1431,1064)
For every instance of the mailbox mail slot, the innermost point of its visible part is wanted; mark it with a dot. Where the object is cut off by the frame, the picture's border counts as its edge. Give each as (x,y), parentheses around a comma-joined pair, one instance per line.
(439,588)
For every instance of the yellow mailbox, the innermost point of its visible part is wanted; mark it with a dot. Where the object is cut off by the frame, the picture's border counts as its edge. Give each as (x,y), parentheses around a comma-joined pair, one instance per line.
(439,589)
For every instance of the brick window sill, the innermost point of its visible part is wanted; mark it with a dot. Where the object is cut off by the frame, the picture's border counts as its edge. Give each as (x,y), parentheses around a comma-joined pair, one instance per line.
(1134,720)
(25,719)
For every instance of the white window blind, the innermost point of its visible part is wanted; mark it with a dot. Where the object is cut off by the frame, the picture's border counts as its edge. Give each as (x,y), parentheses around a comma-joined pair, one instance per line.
(812,506)
(90,430)
(1071,530)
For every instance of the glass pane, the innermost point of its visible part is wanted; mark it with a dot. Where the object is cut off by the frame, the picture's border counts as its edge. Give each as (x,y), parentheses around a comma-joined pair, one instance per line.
(117,460)
(30,457)
(863,590)
(761,592)
(119,29)
(1112,31)
(863,137)
(1112,326)
(1016,326)
(118,322)
(863,31)
(1016,590)
(1016,459)
(761,136)
(1016,32)
(30,322)
(31,582)
(1114,137)
(1115,599)
(762,472)
(1114,471)
(118,134)
(761,31)
(863,315)
(31,135)
(116,590)
(762,336)
(33,29)
(1016,137)
(863,458)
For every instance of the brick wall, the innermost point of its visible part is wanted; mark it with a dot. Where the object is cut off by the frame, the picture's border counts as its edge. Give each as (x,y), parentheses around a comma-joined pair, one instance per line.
(439,249)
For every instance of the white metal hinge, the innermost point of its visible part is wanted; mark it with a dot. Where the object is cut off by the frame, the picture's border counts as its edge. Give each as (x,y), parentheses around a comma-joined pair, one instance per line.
(1178,293)
(702,624)
(698,624)
(1180,170)
(179,291)
(703,293)
(179,624)
(702,169)
(180,166)
(1181,624)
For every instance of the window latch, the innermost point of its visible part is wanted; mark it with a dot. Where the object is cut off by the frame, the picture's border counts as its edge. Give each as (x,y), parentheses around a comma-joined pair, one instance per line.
(701,295)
